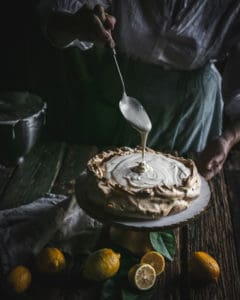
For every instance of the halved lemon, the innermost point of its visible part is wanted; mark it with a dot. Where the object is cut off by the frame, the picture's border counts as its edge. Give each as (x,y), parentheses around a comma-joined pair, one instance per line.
(142,276)
(156,260)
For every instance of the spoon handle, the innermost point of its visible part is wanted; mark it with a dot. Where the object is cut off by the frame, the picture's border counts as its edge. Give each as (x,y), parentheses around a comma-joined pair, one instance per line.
(119,71)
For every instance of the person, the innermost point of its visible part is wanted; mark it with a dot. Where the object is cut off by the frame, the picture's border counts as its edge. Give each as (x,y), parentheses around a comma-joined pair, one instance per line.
(166,51)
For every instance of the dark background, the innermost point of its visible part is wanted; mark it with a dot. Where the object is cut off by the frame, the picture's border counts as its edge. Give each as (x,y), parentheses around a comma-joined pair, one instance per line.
(28,62)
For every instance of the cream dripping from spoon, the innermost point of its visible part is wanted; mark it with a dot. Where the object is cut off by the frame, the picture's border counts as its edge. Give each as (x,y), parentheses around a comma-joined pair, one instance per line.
(135,114)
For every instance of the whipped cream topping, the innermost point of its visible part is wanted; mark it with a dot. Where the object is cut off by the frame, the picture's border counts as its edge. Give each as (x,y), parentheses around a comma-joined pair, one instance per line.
(125,186)
(160,170)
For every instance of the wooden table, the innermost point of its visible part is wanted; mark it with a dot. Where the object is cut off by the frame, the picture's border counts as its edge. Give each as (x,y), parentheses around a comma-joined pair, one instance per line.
(53,167)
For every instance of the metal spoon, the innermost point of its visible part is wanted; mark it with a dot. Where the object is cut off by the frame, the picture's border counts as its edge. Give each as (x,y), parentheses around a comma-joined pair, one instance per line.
(135,114)
(131,108)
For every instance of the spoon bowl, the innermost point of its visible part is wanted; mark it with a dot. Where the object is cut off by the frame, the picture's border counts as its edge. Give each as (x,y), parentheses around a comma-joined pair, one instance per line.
(135,114)
(131,108)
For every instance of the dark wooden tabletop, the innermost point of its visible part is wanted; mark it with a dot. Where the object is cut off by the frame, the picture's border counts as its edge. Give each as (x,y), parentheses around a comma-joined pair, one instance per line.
(53,167)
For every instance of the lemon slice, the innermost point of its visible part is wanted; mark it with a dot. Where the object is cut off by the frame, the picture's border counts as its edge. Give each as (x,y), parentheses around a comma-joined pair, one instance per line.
(142,276)
(156,260)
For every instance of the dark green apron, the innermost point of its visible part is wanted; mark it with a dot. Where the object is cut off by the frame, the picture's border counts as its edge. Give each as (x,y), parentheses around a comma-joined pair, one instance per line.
(185,107)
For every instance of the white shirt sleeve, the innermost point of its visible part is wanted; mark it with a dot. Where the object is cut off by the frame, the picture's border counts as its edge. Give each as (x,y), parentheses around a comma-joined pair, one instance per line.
(45,7)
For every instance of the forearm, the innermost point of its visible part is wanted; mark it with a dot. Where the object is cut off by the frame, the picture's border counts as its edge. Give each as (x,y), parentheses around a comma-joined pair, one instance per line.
(231,133)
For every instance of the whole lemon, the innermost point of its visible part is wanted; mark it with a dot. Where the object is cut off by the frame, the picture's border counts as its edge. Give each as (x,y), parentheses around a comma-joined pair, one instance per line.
(204,267)
(101,264)
(19,279)
(50,260)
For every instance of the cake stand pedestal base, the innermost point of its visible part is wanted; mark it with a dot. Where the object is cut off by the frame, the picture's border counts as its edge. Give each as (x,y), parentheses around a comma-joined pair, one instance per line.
(136,242)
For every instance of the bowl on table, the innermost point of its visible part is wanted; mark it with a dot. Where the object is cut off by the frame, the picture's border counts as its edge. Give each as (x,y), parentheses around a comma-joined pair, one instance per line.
(22,117)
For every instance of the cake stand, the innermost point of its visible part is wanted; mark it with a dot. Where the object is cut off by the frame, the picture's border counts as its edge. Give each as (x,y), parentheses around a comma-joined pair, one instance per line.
(127,232)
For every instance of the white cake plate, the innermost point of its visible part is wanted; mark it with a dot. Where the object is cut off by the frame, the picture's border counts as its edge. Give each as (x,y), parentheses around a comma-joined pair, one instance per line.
(196,207)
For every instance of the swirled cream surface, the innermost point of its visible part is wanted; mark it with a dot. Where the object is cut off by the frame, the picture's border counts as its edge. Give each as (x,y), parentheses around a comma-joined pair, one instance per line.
(160,170)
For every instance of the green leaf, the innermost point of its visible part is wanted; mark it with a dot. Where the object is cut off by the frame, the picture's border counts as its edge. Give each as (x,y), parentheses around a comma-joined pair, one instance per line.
(127,261)
(164,242)
(108,290)
(135,295)
(112,287)
(127,295)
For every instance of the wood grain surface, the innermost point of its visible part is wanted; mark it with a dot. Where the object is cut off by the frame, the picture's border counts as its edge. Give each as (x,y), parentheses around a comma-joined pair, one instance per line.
(169,285)
(232,175)
(54,167)
(213,233)
(35,176)
(6,172)
(75,160)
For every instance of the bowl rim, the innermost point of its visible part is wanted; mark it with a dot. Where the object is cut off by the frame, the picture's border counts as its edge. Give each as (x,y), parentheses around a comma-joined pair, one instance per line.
(35,115)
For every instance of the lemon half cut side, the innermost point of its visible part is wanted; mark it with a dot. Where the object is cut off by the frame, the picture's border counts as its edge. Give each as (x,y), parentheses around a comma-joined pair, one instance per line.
(142,276)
